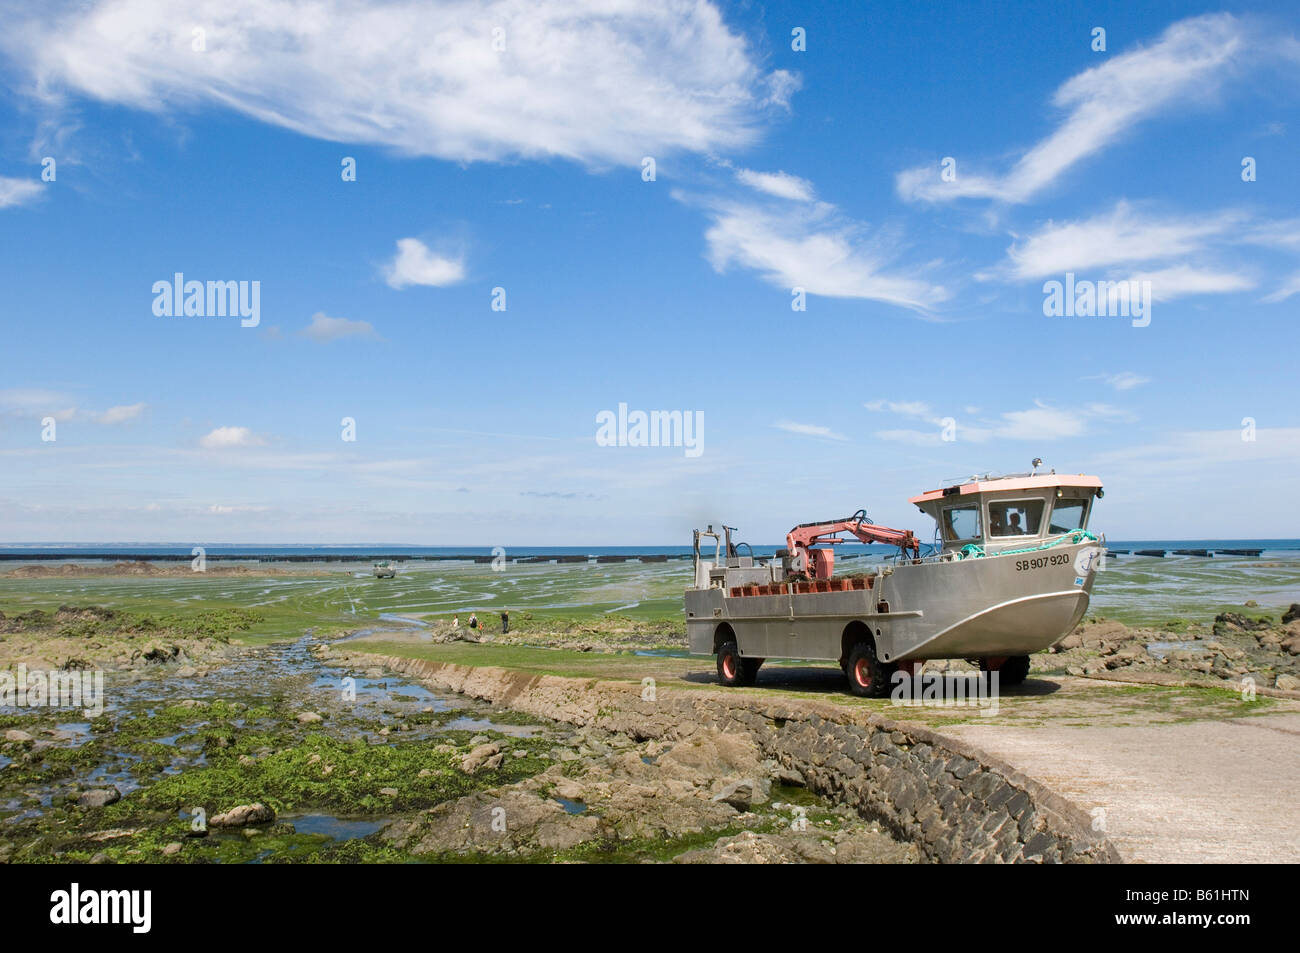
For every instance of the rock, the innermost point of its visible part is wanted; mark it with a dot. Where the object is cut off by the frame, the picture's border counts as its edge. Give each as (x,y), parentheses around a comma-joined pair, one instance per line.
(1235,620)
(479,758)
(243,815)
(741,794)
(13,734)
(1292,645)
(1287,683)
(744,848)
(101,858)
(309,717)
(162,653)
(388,792)
(172,849)
(186,671)
(479,740)
(100,797)
(1251,604)
(1292,614)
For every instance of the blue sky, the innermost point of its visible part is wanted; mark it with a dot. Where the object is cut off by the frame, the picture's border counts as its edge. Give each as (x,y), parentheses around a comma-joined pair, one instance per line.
(521,168)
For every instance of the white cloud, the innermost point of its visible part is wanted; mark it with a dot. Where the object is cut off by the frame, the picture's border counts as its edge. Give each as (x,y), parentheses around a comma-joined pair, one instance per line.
(813,250)
(325,328)
(1041,422)
(908,408)
(781,184)
(120,414)
(1121,236)
(1124,380)
(596,81)
(1184,68)
(415,264)
(1181,280)
(24,402)
(1289,287)
(224,438)
(17,191)
(809,430)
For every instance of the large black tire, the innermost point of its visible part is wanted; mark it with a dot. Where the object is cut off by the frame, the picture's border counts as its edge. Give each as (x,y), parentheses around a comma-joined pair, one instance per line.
(1011,672)
(868,676)
(734,670)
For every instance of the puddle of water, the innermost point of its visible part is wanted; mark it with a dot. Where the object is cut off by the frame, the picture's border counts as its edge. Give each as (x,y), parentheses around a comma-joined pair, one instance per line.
(487,724)
(1161,649)
(79,730)
(372,689)
(336,828)
(572,807)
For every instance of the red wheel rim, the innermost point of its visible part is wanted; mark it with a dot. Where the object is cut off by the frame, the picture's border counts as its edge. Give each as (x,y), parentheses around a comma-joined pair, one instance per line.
(729,666)
(862,672)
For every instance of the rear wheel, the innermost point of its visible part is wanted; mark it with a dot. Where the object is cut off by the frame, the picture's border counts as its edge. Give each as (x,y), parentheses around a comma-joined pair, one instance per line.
(734,670)
(868,676)
(1012,670)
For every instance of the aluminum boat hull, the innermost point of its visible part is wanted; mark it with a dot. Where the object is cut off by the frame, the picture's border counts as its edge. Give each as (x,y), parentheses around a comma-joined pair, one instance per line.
(999,605)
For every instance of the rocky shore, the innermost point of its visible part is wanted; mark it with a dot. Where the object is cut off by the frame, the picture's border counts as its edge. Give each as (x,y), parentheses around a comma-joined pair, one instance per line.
(1234,648)
(947,801)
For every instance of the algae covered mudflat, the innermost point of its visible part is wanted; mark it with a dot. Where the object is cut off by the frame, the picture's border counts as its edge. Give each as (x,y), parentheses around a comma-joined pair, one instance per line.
(227,734)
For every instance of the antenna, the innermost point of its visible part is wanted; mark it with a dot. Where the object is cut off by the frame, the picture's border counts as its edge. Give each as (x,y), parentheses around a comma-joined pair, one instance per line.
(1038,462)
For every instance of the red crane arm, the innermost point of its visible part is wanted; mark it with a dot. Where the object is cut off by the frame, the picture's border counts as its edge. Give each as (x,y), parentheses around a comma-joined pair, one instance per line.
(806,535)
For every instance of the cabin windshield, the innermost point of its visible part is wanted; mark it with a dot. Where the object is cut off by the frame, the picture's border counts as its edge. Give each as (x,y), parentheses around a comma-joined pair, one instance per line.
(1015,517)
(961,522)
(1068,515)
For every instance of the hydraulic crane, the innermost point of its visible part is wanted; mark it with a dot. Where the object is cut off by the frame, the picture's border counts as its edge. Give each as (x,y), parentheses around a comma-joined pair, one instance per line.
(806,540)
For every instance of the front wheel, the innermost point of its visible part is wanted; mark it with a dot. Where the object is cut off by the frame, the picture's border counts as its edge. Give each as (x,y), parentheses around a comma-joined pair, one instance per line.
(868,676)
(734,670)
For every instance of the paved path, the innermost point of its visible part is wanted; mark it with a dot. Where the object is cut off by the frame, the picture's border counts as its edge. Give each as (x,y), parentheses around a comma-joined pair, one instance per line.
(1224,790)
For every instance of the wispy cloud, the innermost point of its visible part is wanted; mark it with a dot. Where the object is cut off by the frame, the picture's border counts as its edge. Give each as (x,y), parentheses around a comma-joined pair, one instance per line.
(225,438)
(588,80)
(814,248)
(1123,235)
(18,191)
(1124,380)
(324,328)
(416,264)
(781,184)
(809,430)
(1185,68)
(120,414)
(1041,422)
(1290,286)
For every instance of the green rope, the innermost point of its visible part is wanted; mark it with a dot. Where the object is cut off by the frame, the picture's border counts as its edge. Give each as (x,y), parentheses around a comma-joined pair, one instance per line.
(971,551)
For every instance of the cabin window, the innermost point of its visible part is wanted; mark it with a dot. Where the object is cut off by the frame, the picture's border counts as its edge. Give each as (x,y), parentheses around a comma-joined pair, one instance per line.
(1015,517)
(1068,515)
(961,522)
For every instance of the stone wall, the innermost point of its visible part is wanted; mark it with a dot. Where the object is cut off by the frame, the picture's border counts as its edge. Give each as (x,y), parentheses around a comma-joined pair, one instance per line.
(957,804)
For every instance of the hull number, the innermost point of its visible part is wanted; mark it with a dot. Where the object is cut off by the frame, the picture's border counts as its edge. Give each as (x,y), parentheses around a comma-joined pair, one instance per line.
(1040,562)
